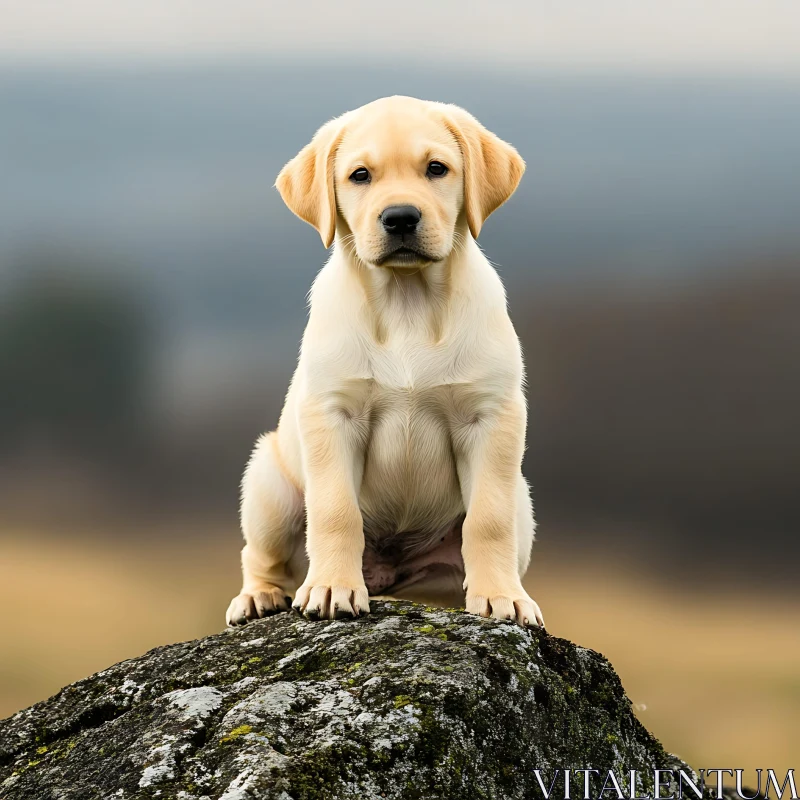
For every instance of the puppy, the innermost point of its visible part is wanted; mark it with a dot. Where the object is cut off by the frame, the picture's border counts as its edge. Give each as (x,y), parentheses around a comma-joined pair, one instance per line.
(395,467)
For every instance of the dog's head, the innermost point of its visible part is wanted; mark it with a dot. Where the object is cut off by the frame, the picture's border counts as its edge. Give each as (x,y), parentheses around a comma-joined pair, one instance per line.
(400,179)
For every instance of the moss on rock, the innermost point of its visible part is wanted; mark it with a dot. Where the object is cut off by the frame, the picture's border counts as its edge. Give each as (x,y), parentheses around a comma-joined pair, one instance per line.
(407,702)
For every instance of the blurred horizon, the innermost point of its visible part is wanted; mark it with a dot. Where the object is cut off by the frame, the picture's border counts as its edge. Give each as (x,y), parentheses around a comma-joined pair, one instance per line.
(654,213)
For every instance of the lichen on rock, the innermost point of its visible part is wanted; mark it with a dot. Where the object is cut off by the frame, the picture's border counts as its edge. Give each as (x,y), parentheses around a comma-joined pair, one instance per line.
(406,702)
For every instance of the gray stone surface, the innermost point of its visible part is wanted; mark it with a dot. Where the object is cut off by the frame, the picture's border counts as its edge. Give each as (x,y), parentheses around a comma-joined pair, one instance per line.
(407,702)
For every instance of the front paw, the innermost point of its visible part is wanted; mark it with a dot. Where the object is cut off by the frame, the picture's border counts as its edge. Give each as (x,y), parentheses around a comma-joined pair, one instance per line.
(519,607)
(331,600)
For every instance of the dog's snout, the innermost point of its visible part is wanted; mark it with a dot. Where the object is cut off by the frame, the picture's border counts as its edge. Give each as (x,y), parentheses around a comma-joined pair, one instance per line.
(400,219)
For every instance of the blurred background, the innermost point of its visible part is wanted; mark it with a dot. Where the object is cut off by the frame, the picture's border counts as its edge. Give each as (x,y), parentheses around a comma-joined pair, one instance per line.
(152,298)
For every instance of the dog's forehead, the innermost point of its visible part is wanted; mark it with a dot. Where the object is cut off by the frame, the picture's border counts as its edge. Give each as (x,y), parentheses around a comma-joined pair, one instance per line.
(393,126)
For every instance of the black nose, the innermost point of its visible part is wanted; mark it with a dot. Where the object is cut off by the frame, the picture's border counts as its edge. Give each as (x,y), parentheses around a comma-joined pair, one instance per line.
(400,219)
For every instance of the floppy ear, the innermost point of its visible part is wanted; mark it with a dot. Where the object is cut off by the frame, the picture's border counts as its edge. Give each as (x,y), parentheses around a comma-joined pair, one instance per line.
(306,182)
(492,167)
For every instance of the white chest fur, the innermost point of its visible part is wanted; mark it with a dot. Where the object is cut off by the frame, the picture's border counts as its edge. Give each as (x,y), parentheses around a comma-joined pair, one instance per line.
(407,364)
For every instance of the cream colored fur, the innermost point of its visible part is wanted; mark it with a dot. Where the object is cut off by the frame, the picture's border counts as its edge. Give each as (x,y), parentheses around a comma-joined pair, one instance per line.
(406,411)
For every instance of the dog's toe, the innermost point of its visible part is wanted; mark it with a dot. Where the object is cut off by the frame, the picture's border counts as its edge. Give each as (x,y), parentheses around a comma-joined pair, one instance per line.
(240,611)
(528,613)
(318,602)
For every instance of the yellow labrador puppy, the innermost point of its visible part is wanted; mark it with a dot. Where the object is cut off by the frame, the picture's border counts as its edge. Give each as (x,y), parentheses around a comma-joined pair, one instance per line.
(395,468)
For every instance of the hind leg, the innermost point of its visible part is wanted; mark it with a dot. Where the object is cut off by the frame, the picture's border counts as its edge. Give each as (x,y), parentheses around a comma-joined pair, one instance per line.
(526,525)
(273,522)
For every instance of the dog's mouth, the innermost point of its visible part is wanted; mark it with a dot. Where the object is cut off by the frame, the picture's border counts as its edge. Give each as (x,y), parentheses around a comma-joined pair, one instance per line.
(405,257)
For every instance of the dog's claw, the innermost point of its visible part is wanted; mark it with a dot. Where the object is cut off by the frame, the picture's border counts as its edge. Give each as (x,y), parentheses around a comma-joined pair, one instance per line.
(522,610)
(326,602)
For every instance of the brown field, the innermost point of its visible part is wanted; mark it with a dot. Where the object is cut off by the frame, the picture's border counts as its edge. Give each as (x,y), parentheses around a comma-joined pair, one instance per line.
(714,674)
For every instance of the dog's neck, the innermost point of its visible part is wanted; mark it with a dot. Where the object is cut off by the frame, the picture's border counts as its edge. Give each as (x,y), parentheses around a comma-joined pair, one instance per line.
(411,302)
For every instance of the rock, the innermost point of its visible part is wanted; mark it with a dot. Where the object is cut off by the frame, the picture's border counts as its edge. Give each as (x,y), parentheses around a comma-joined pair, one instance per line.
(407,702)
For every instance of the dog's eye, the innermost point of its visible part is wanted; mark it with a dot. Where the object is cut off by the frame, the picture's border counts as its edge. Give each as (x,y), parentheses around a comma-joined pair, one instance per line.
(436,169)
(361,175)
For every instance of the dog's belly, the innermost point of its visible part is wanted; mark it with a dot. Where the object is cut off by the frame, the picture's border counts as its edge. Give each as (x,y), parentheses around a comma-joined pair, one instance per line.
(410,495)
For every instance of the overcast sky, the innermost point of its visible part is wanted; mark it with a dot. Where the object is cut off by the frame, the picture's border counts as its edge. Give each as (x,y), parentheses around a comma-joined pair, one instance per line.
(716,35)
